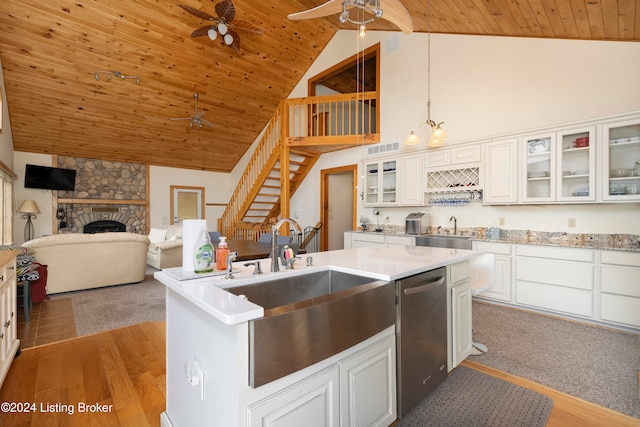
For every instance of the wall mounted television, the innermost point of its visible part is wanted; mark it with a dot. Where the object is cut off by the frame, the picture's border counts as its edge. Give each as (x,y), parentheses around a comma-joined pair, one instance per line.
(49,178)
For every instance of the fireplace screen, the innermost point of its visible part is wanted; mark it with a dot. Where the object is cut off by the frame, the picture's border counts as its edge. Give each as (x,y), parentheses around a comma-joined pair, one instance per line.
(104,226)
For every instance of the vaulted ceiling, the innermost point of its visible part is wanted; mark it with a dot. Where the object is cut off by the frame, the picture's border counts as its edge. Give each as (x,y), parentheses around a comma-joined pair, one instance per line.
(50,51)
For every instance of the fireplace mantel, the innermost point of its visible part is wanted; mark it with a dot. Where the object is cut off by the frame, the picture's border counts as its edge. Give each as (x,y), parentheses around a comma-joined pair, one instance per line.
(102,202)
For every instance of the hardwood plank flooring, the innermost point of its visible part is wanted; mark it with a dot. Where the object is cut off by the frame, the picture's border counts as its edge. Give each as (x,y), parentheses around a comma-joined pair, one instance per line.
(123,370)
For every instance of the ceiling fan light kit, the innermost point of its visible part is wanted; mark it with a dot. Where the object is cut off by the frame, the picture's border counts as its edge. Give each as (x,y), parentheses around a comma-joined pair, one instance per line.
(115,74)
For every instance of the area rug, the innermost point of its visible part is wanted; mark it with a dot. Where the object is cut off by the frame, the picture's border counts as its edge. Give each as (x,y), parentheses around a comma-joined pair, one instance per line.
(114,307)
(592,363)
(474,399)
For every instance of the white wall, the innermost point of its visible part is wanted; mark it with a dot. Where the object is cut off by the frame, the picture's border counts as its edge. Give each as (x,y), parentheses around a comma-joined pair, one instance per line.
(484,86)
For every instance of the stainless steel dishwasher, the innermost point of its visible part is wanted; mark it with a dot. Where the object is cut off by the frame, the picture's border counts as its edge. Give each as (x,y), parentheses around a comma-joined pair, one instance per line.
(421,333)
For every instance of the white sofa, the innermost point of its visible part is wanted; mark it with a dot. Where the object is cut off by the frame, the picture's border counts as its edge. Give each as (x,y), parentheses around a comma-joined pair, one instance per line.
(165,249)
(82,261)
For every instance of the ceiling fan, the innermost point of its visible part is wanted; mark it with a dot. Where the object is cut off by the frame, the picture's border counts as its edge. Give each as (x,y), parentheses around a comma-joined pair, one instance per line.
(393,11)
(223,24)
(196,118)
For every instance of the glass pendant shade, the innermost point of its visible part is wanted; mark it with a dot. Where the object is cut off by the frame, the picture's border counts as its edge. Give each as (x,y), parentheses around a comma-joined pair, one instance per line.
(438,133)
(222,28)
(412,139)
(212,33)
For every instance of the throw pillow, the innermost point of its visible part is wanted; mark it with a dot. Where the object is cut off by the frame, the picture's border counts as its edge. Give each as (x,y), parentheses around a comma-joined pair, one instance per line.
(157,235)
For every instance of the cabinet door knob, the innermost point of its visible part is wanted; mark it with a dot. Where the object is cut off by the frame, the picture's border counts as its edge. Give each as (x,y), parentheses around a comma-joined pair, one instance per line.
(2,336)
(12,267)
(7,323)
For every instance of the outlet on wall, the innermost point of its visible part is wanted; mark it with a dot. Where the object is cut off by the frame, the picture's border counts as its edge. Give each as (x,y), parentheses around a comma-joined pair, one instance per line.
(572,223)
(501,222)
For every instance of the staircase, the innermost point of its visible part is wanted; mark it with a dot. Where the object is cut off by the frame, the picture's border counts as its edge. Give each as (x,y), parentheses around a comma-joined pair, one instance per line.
(300,131)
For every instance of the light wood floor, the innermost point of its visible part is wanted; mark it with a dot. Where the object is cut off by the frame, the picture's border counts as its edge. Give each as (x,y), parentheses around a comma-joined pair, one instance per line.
(125,368)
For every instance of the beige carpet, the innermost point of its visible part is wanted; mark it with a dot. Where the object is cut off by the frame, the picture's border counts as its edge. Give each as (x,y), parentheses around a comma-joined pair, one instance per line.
(98,310)
(593,363)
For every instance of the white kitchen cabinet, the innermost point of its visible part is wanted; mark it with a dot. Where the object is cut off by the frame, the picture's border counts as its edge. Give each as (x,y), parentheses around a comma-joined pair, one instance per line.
(556,279)
(501,289)
(620,154)
(411,180)
(354,239)
(500,171)
(9,341)
(452,156)
(537,170)
(314,402)
(620,287)
(367,386)
(380,183)
(459,315)
(576,165)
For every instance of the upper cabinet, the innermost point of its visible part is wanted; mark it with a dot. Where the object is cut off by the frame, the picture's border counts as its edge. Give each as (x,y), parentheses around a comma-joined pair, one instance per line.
(394,181)
(621,161)
(380,183)
(501,172)
(538,168)
(576,165)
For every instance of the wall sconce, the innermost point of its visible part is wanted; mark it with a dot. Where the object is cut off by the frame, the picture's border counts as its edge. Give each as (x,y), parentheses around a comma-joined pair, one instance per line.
(116,74)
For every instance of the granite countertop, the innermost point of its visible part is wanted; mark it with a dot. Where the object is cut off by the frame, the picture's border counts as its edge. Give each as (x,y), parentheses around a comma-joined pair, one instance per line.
(379,263)
(619,242)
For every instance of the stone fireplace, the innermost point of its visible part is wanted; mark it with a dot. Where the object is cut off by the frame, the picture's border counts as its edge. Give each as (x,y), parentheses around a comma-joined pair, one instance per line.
(114,192)
(104,226)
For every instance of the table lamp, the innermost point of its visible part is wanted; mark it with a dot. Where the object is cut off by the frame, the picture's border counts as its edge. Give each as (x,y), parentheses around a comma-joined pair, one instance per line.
(28,209)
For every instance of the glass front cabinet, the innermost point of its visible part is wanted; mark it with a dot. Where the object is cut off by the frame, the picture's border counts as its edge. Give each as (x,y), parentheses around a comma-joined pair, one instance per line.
(621,161)
(380,183)
(559,166)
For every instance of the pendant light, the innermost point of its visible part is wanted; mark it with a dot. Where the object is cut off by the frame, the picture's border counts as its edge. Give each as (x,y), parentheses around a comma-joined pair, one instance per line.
(437,136)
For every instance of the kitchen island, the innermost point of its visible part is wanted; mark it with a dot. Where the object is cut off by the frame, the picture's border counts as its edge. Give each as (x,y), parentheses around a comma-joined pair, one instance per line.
(208,348)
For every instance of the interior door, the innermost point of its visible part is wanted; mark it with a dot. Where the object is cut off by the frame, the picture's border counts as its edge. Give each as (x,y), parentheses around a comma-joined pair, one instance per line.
(186,203)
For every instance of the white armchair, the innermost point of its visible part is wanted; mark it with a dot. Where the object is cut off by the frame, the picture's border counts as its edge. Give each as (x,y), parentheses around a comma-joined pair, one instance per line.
(165,249)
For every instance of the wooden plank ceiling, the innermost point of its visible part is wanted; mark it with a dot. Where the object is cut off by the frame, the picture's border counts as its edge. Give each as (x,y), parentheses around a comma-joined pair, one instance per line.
(51,50)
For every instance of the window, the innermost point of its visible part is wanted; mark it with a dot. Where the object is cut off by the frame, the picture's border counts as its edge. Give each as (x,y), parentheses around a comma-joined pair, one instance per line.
(6,200)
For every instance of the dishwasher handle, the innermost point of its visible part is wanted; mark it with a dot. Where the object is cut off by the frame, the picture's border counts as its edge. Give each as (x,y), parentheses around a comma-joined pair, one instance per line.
(425,287)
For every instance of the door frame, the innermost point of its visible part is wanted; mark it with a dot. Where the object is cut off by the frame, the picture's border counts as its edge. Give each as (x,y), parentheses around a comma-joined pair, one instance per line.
(173,195)
(324,199)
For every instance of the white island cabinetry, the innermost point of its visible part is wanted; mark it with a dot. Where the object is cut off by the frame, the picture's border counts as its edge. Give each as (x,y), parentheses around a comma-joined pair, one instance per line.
(209,356)
(358,239)
(459,314)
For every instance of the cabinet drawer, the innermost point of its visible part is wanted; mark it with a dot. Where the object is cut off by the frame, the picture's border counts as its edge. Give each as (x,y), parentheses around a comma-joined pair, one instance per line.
(620,309)
(465,155)
(371,238)
(459,272)
(620,258)
(401,240)
(620,280)
(437,158)
(551,252)
(494,248)
(563,273)
(558,298)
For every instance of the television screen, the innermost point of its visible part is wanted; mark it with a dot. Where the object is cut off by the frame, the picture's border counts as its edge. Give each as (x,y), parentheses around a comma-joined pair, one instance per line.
(49,178)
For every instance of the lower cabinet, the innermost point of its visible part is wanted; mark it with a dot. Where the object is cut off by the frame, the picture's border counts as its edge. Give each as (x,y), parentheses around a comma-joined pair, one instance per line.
(459,315)
(359,390)
(501,289)
(9,342)
(354,239)
(620,287)
(556,279)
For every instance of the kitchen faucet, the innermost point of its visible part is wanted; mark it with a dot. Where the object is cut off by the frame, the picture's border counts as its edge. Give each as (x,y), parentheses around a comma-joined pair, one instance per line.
(275,264)
(455,224)
(230,258)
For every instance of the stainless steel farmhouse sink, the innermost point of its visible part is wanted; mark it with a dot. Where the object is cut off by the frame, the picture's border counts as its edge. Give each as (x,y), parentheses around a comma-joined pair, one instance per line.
(310,317)
(445,241)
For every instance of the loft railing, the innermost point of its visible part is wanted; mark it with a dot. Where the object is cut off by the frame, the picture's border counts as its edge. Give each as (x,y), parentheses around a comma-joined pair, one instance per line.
(314,120)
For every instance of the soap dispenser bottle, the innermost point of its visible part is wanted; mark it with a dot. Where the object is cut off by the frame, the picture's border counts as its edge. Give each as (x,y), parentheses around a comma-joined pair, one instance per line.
(221,254)
(203,253)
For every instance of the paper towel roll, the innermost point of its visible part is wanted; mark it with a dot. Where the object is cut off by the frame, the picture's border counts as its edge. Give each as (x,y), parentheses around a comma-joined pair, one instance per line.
(190,230)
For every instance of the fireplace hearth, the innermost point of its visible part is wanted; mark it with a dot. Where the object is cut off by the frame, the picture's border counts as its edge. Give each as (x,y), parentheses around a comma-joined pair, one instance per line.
(104,226)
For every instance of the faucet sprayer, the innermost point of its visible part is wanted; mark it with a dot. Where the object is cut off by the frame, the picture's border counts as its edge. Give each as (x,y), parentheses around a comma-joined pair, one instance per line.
(275,264)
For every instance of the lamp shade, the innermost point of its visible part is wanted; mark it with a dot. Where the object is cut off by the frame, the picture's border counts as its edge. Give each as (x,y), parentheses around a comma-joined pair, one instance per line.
(412,139)
(29,206)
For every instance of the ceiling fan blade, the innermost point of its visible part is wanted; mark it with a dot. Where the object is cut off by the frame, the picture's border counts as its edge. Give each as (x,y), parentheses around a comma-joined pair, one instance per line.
(395,12)
(202,31)
(180,118)
(195,12)
(206,123)
(329,8)
(247,27)
(225,9)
